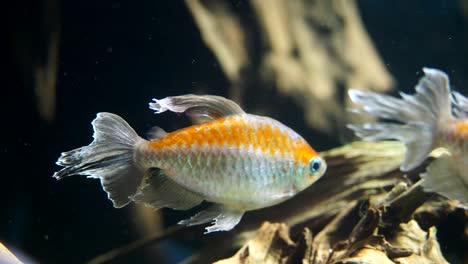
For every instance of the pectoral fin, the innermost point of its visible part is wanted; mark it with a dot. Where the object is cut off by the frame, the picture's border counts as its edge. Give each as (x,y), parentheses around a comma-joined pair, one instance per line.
(443,177)
(160,191)
(223,218)
(205,107)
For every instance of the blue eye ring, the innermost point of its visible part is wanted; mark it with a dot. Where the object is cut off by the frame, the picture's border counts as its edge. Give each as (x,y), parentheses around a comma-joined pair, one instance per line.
(315,165)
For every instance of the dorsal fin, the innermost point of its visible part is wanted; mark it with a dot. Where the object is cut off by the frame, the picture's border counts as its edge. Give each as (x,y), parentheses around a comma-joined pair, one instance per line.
(155,133)
(204,107)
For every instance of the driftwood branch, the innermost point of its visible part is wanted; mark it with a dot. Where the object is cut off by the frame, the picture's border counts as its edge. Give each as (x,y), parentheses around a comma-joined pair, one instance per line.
(309,50)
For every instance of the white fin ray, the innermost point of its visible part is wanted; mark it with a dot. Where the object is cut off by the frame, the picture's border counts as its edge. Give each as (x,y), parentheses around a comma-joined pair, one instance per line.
(204,107)
(159,191)
(418,115)
(460,104)
(223,218)
(388,107)
(434,87)
(442,177)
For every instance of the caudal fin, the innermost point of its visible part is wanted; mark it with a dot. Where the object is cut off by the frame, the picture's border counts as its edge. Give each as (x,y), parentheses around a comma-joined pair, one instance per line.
(417,116)
(109,157)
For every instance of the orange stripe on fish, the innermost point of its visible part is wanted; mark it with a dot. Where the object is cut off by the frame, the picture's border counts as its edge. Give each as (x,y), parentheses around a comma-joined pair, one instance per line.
(462,129)
(304,152)
(236,131)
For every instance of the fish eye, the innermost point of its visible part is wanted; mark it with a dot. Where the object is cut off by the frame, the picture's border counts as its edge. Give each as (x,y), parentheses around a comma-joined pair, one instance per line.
(315,164)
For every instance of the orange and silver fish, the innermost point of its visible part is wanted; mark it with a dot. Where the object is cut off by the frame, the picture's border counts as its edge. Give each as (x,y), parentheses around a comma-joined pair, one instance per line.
(434,117)
(235,160)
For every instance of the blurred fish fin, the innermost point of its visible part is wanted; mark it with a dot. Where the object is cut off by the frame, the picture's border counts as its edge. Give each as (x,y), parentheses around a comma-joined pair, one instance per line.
(159,191)
(434,90)
(202,107)
(222,218)
(109,157)
(443,177)
(417,115)
(460,104)
(418,146)
(416,137)
(156,133)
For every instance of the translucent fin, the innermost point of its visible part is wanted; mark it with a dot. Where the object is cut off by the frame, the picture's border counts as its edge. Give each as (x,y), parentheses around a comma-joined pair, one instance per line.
(223,218)
(156,133)
(160,191)
(460,104)
(442,177)
(109,157)
(434,88)
(207,107)
(412,136)
(418,115)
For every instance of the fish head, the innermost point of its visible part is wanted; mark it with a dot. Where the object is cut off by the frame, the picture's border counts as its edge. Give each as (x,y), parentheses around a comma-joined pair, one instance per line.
(310,172)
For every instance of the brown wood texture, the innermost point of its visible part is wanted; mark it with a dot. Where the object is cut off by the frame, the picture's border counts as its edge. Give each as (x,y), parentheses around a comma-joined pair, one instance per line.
(312,51)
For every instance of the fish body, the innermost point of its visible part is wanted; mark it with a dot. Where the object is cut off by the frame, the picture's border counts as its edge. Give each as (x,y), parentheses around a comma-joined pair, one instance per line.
(245,161)
(433,117)
(237,161)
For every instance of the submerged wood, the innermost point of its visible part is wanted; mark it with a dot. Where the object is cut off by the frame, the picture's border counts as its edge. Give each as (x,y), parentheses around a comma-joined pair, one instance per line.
(272,244)
(312,51)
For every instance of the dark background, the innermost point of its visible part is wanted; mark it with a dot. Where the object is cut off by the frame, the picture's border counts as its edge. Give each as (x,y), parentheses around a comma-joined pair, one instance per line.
(117,55)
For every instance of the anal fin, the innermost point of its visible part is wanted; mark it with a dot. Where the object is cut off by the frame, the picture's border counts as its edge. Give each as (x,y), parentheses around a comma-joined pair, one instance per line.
(223,218)
(159,191)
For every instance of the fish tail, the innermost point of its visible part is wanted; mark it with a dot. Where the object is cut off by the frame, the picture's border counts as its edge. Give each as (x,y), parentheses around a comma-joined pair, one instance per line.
(417,116)
(110,157)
